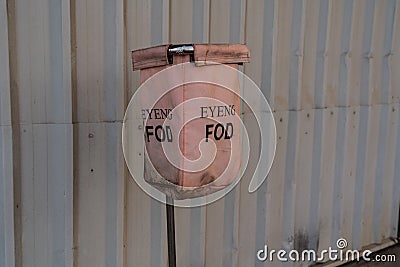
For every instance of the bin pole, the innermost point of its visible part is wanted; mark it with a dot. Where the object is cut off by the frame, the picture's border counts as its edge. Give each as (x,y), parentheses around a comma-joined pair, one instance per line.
(171,232)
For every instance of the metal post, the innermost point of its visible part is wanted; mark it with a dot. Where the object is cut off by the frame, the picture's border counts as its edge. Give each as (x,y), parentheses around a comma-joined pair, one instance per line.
(171,233)
(174,50)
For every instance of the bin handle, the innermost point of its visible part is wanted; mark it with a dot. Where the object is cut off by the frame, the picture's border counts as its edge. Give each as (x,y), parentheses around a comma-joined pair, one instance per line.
(185,49)
(181,49)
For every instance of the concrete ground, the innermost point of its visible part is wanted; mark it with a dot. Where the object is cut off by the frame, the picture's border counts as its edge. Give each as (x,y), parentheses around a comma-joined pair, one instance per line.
(393,250)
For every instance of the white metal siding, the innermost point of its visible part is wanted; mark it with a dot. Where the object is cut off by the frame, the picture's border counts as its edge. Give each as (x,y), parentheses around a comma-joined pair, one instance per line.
(329,68)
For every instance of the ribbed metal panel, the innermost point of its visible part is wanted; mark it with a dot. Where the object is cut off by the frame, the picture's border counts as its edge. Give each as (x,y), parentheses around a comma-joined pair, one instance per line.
(329,68)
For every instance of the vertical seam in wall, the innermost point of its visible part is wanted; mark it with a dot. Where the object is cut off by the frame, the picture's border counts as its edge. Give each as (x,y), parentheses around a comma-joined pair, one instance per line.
(15,128)
(209,20)
(363,133)
(395,26)
(169,20)
(126,72)
(205,208)
(244,26)
(74,115)
(395,222)
(46,87)
(321,48)
(8,204)
(48,250)
(73,61)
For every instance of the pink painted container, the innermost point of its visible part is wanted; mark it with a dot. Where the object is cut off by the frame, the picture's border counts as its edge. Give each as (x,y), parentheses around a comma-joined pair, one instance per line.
(215,124)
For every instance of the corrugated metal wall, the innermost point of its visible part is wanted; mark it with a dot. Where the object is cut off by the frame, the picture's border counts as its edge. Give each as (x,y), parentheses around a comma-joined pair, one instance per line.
(330,69)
